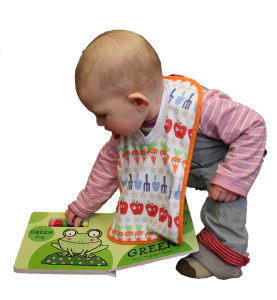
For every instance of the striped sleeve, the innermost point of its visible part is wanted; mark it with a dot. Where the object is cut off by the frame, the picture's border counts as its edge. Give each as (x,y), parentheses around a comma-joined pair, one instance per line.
(101,184)
(241,128)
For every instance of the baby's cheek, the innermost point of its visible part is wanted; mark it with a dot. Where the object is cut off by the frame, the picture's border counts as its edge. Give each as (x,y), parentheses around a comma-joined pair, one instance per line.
(128,127)
(91,240)
(69,239)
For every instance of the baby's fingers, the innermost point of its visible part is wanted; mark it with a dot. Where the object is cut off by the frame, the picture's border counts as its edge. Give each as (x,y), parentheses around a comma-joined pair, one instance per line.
(77,221)
(70,217)
(67,212)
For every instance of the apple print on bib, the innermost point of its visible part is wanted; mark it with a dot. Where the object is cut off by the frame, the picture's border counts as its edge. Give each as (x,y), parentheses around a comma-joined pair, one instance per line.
(168,125)
(151,209)
(179,130)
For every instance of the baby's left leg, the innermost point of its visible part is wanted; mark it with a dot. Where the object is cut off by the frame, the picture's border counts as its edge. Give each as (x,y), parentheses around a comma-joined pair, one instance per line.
(223,241)
(225,232)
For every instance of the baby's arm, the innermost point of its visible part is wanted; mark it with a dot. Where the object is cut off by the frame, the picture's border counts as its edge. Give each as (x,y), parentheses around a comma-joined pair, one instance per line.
(101,185)
(244,131)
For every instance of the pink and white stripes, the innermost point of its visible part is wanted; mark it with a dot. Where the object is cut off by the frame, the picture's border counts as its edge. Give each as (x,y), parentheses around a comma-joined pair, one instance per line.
(244,131)
(101,184)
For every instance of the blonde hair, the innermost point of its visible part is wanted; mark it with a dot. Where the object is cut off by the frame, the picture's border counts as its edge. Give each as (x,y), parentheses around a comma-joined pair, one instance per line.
(120,61)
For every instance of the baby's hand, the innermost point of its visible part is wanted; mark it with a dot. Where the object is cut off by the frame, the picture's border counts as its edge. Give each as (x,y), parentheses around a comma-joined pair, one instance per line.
(70,216)
(220,194)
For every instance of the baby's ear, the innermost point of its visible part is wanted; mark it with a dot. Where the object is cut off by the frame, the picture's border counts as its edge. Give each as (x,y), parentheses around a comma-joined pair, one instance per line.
(139,100)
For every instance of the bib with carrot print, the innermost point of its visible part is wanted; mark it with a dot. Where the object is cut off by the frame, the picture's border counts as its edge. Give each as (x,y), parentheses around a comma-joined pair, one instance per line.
(153,170)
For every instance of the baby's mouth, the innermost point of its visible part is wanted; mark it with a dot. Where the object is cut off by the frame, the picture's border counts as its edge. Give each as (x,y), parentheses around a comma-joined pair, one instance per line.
(116,135)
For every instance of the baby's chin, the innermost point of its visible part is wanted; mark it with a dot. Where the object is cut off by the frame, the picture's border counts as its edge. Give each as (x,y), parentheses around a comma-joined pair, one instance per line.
(115,133)
(108,130)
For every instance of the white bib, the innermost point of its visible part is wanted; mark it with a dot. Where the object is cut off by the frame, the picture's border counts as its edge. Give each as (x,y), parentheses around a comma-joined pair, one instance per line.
(153,170)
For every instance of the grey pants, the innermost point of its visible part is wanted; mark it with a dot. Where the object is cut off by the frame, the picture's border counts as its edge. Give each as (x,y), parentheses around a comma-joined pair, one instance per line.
(225,220)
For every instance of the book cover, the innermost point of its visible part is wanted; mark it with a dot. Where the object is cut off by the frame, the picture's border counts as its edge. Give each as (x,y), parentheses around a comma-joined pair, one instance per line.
(88,250)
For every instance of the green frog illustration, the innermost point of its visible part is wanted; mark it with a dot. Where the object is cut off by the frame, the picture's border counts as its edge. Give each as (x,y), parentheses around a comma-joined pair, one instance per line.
(83,244)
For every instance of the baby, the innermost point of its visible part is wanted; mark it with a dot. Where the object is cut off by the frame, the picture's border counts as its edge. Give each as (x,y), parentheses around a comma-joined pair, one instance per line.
(119,79)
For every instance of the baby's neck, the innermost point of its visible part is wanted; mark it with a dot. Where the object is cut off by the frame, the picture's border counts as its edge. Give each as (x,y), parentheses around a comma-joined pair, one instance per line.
(151,123)
(147,126)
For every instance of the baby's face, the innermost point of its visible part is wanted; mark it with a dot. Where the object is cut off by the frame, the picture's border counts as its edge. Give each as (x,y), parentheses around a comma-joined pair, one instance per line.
(116,113)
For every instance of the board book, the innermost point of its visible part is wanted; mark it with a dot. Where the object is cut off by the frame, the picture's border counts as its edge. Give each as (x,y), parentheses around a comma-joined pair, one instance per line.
(87,250)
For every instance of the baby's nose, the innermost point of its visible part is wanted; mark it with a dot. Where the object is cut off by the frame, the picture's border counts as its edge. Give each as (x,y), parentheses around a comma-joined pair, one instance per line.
(100,122)
(99,125)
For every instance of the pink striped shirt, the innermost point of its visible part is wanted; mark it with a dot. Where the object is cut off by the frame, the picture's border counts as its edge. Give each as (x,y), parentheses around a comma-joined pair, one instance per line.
(236,125)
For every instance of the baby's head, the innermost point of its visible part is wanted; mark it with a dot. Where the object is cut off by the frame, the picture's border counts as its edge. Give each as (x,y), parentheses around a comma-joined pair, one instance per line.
(120,65)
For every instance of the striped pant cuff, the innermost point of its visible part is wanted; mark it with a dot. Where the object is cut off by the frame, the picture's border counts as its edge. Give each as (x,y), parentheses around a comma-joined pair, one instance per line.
(227,255)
